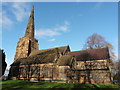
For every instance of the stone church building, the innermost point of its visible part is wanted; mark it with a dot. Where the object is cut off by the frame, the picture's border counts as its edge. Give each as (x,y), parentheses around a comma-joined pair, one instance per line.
(58,64)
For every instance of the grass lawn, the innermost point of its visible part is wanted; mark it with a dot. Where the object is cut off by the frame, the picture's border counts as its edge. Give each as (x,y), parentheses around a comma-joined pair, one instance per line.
(23,85)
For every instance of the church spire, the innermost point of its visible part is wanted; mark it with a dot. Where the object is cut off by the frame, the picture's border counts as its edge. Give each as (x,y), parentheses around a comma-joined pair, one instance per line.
(28,43)
(30,26)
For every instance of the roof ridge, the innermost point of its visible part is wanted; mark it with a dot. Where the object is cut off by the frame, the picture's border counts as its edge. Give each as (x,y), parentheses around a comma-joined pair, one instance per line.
(89,49)
(52,48)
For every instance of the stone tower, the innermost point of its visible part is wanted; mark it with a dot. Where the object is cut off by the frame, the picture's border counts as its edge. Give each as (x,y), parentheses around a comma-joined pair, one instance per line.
(28,43)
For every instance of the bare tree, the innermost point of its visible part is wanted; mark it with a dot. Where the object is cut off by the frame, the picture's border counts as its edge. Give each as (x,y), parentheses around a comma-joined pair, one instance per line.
(96,41)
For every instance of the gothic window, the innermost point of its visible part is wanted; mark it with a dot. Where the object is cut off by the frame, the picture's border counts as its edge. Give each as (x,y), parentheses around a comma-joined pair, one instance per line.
(98,66)
(50,72)
(24,72)
(55,73)
(21,71)
(82,66)
(62,72)
(34,71)
(46,71)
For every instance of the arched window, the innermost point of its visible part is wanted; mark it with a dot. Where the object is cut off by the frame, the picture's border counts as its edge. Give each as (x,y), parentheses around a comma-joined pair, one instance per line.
(24,72)
(45,70)
(29,48)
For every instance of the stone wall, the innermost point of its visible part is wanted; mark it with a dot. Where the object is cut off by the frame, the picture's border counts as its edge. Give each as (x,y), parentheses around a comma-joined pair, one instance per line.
(43,72)
(25,46)
(96,71)
(94,64)
(95,76)
(86,72)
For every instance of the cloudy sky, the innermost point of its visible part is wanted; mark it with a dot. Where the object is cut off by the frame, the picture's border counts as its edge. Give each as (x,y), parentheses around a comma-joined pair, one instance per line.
(59,24)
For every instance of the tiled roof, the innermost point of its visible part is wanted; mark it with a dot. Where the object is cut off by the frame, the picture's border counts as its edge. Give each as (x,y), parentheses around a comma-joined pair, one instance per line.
(51,50)
(41,56)
(65,60)
(91,54)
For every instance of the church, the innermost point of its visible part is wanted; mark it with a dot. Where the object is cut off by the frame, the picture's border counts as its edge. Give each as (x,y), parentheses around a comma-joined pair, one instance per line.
(58,64)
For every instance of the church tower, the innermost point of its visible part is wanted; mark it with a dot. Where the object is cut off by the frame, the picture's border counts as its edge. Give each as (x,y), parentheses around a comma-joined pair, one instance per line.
(28,43)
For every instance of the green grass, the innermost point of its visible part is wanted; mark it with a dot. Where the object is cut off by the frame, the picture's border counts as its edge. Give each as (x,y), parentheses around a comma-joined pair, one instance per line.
(23,85)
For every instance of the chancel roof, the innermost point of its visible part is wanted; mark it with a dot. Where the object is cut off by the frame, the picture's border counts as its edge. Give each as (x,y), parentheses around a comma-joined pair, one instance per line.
(91,54)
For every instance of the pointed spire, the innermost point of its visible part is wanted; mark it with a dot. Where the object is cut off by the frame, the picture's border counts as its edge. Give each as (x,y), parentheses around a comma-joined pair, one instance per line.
(30,26)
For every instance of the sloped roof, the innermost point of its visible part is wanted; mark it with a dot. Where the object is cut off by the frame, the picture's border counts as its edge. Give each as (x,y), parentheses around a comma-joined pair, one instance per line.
(91,54)
(41,56)
(36,59)
(65,60)
(40,59)
(51,50)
